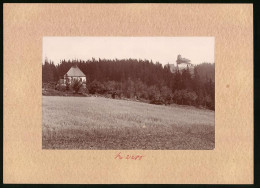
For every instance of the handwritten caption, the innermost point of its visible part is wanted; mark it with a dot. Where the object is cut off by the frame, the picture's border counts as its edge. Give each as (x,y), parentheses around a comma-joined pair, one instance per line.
(128,157)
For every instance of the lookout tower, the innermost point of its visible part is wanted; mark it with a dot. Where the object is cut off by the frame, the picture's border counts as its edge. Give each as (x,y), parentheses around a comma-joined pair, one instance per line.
(183,62)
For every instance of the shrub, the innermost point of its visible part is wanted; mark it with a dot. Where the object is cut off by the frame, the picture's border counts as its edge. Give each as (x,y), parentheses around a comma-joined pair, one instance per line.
(60,87)
(166,94)
(185,96)
(96,87)
(76,85)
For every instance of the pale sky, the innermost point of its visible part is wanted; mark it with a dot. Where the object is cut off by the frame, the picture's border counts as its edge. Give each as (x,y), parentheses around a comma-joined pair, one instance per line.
(162,49)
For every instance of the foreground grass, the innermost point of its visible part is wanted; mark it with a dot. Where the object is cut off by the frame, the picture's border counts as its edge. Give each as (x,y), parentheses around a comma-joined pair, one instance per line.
(101,123)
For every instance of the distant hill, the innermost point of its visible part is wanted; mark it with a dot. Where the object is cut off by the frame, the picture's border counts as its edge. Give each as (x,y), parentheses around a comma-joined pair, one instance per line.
(205,70)
(173,68)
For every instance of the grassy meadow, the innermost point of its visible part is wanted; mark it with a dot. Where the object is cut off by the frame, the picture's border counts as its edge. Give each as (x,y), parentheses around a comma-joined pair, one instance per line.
(101,123)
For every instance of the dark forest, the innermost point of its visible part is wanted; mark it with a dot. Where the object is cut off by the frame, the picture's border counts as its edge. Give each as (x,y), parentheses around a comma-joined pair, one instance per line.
(141,80)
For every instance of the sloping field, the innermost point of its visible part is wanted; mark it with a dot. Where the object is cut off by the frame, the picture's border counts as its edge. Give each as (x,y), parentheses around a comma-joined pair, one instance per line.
(101,123)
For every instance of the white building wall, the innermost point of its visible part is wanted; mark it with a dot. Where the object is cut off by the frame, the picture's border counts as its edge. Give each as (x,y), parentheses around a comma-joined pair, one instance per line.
(83,79)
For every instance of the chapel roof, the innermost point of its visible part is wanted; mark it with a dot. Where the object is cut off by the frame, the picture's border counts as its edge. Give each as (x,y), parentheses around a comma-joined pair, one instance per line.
(75,71)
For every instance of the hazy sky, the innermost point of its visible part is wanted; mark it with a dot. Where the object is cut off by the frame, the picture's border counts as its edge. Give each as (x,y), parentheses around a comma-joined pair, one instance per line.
(162,49)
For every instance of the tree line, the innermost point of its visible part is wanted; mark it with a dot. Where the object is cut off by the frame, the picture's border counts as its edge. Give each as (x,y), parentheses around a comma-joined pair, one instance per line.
(142,80)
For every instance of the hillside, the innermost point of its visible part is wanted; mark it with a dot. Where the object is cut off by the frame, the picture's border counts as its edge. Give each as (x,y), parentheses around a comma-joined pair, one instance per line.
(100,123)
(140,79)
(204,70)
(174,68)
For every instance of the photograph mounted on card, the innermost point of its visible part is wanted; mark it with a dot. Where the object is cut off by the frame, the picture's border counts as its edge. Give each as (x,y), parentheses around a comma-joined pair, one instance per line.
(128,93)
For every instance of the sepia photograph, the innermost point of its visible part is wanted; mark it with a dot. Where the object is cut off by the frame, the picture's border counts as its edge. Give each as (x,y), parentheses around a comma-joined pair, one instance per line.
(128,93)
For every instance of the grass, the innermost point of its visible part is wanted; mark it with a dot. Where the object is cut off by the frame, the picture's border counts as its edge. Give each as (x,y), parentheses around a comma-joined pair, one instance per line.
(101,123)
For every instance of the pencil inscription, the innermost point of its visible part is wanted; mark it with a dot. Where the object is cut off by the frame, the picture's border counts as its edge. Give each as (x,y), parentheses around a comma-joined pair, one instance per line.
(128,157)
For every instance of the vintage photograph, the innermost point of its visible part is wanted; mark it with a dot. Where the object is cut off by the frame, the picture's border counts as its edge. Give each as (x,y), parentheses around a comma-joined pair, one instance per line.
(128,93)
